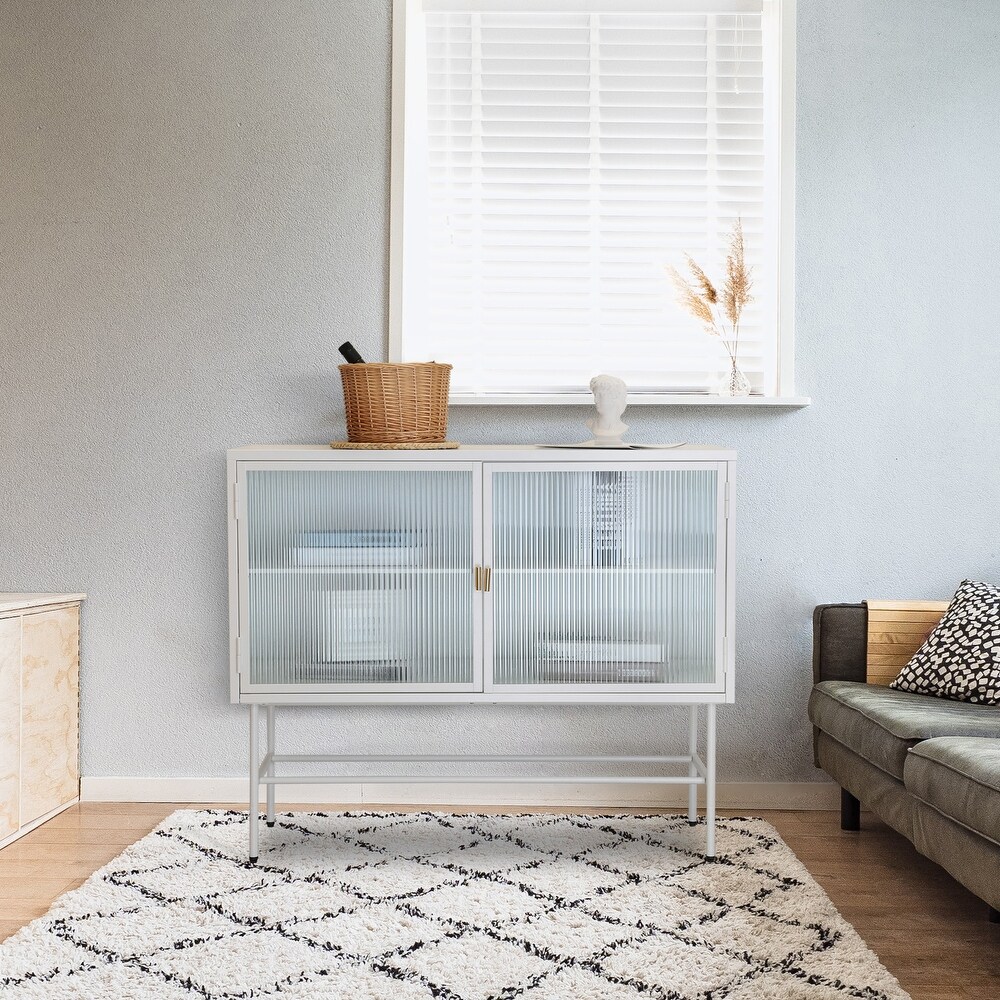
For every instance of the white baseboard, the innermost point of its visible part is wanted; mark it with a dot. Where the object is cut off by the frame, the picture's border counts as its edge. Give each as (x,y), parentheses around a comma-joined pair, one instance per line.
(732,795)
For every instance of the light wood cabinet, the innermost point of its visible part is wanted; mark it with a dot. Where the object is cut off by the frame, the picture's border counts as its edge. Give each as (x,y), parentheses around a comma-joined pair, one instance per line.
(10,722)
(39,708)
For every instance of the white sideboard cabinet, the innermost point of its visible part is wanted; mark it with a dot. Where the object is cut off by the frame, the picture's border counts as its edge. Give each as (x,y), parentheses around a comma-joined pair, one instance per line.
(484,574)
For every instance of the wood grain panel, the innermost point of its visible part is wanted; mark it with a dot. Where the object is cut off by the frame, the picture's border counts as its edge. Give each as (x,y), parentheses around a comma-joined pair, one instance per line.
(901,631)
(939,607)
(903,616)
(10,725)
(896,630)
(894,648)
(50,691)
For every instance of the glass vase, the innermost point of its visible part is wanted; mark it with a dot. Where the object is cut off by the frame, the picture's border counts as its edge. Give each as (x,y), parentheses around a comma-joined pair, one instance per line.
(735,383)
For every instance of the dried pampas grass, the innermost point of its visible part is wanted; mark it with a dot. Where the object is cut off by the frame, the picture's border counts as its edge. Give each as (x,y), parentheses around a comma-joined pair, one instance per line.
(693,301)
(699,296)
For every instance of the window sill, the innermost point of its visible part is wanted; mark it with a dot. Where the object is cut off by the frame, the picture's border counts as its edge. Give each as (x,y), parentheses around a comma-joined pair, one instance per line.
(634,399)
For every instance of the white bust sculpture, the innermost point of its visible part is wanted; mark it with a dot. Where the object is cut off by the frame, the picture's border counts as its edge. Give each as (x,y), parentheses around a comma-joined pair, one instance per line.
(609,401)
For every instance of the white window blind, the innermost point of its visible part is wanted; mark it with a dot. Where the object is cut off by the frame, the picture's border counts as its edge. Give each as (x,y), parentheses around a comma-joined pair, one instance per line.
(558,157)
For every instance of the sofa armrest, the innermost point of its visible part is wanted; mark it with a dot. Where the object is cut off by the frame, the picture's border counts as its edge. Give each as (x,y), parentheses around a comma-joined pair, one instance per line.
(840,648)
(840,642)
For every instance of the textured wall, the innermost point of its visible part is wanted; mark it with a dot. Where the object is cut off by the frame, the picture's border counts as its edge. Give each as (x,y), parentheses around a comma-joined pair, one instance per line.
(192,216)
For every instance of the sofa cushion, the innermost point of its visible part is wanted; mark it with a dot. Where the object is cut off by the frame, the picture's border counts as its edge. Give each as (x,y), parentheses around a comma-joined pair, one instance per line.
(881,725)
(960,777)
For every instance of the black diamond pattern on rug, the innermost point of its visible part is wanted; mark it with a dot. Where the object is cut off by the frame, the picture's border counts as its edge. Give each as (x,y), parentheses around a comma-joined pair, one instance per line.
(430,906)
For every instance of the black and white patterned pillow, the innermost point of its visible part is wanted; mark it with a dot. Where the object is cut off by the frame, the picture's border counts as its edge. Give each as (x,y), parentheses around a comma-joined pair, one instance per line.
(961,657)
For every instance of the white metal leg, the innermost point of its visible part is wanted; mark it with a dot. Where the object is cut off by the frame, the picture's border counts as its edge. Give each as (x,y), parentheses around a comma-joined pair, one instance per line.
(693,767)
(270,766)
(700,771)
(254,816)
(710,781)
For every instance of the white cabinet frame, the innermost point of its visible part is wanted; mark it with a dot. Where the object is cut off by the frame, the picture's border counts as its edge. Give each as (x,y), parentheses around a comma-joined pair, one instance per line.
(698,767)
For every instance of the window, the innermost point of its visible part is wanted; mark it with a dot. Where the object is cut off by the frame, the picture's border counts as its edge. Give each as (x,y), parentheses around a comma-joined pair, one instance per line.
(551,158)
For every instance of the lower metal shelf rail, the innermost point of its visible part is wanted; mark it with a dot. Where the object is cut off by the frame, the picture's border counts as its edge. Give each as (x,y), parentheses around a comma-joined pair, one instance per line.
(699,771)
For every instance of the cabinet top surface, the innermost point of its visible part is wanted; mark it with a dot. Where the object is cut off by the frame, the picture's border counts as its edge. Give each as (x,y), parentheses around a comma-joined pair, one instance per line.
(484,453)
(21,602)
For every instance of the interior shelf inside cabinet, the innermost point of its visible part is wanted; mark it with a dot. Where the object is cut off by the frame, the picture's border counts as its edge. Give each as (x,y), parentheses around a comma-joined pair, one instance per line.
(598,571)
(362,570)
(405,671)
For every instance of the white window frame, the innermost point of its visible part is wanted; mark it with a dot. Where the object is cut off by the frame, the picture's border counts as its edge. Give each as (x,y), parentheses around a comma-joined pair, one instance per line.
(779,202)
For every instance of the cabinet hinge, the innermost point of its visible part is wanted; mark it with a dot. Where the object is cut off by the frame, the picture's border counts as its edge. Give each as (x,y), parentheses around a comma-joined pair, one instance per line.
(727,499)
(236,502)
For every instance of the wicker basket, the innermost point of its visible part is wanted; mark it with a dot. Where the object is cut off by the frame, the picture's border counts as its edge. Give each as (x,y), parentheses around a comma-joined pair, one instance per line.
(396,403)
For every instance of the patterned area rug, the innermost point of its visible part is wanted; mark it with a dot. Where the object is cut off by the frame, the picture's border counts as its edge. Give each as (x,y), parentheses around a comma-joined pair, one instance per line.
(415,906)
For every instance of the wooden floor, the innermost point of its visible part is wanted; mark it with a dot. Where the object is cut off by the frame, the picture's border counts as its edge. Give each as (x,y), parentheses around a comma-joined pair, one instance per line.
(929,931)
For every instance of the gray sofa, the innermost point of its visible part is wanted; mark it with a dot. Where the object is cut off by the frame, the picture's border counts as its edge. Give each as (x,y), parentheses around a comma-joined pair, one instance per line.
(929,768)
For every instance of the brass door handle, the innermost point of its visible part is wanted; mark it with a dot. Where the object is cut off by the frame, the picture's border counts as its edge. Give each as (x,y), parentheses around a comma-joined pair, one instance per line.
(487,577)
(477,577)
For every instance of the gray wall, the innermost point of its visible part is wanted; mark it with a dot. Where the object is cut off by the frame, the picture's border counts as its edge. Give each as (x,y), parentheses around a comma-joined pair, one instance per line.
(193,214)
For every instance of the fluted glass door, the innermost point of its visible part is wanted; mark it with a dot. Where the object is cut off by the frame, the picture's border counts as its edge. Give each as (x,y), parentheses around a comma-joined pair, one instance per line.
(359,577)
(605,576)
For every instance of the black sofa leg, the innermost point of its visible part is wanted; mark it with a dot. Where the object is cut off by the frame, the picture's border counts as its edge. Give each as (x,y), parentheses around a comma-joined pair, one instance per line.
(994,915)
(850,811)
